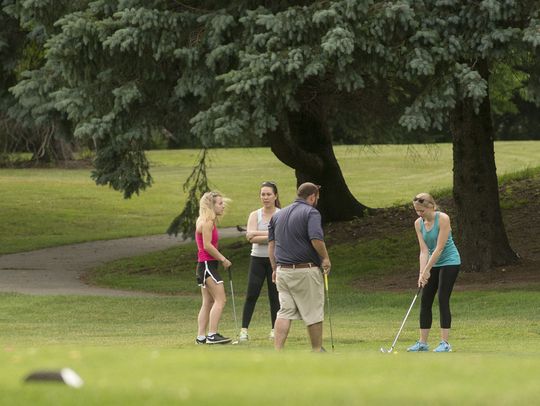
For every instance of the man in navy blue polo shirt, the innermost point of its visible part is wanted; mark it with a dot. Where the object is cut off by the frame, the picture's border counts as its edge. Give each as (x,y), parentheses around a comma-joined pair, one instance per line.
(299,257)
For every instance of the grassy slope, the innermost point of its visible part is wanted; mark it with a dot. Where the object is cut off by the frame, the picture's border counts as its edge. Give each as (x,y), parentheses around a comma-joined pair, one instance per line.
(48,207)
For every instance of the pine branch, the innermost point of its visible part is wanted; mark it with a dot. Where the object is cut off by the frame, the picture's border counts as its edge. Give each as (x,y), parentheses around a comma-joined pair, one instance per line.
(196,185)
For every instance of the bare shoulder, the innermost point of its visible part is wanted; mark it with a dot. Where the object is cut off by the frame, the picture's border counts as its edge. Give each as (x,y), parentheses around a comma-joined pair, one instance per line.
(252,220)
(205,225)
(444,217)
(417,223)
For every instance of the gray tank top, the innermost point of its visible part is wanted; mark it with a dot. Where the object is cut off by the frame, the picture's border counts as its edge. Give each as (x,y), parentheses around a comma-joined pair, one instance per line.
(261,250)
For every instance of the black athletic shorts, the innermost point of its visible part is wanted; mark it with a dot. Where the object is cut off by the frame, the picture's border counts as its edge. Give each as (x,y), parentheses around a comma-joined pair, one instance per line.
(208,269)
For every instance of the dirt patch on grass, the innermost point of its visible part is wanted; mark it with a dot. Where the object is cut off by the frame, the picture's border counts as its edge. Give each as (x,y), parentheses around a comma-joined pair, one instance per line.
(520,201)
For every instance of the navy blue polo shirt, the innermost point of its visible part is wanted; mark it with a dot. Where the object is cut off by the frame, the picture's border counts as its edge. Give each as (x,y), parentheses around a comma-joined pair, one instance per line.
(292,229)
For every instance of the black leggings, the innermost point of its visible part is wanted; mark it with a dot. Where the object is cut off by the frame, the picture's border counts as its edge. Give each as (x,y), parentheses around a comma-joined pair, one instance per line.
(442,278)
(259,270)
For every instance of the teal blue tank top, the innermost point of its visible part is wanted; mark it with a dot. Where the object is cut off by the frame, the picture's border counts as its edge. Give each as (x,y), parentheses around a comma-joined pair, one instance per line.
(450,254)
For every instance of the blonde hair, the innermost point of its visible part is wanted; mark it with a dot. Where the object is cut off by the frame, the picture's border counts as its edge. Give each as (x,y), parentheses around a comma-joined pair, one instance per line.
(425,200)
(207,203)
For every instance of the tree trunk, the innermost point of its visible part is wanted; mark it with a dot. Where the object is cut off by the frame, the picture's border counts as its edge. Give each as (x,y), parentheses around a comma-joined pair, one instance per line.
(52,147)
(306,146)
(482,238)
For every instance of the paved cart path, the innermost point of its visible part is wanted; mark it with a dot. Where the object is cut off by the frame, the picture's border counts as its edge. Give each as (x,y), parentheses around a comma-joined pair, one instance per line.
(58,270)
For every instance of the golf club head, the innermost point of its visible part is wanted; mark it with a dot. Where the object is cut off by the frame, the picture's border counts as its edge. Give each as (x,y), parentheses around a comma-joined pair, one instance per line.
(235,342)
(385,351)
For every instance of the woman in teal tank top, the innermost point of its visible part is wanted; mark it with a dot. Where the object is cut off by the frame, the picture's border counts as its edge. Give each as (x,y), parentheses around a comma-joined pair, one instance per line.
(439,266)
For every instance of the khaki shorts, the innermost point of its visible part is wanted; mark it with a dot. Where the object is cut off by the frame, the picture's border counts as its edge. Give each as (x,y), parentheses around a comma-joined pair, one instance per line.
(301,294)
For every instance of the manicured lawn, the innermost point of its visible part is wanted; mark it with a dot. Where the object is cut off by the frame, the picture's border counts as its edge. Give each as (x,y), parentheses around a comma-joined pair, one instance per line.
(141,351)
(494,335)
(49,207)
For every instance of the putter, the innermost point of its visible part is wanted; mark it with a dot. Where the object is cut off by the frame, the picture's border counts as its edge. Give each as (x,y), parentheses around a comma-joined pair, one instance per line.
(328,303)
(233,305)
(402,324)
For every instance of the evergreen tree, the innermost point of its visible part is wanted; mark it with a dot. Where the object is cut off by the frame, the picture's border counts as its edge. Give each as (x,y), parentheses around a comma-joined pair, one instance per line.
(45,130)
(11,45)
(293,72)
(454,47)
(133,66)
(516,83)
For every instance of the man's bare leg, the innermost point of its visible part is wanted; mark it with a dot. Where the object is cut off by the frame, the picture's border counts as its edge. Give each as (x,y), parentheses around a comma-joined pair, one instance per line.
(315,335)
(281,331)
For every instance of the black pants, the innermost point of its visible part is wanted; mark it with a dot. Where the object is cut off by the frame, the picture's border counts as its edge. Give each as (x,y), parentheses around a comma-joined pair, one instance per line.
(259,270)
(441,279)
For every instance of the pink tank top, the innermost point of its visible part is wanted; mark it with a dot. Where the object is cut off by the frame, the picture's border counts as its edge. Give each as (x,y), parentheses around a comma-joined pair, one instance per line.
(202,255)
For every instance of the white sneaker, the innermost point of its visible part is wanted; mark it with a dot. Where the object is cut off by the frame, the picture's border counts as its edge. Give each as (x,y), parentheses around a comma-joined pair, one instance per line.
(271,335)
(244,336)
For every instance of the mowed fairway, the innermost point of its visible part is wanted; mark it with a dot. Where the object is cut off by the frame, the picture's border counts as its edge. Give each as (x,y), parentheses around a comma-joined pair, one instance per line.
(48,207)
(141,351)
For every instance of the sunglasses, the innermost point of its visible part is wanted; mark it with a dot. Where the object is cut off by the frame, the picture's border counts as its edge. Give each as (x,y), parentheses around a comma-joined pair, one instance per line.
(421,200)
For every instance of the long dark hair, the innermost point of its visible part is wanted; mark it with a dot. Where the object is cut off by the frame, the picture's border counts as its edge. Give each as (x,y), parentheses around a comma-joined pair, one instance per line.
(274,188)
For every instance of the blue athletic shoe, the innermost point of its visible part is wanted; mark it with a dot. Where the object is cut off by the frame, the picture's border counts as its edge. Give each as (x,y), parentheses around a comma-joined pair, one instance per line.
(418,347)
(443,347)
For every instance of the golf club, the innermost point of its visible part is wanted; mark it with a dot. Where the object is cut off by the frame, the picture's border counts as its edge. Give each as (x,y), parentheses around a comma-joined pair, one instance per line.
(402,324)
(329,317)
(233,305)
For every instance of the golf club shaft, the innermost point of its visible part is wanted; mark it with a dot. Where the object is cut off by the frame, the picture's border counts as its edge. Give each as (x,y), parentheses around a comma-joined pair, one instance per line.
(329,317)
(405,319)
(232,297)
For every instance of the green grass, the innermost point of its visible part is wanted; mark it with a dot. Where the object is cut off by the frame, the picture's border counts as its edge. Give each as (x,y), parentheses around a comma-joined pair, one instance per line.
(49,207)
(495,335)
(245,377)
(141,351)
(172,271)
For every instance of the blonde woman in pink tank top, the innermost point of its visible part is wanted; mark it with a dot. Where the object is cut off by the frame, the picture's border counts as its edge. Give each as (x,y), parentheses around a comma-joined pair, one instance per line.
(211,207)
